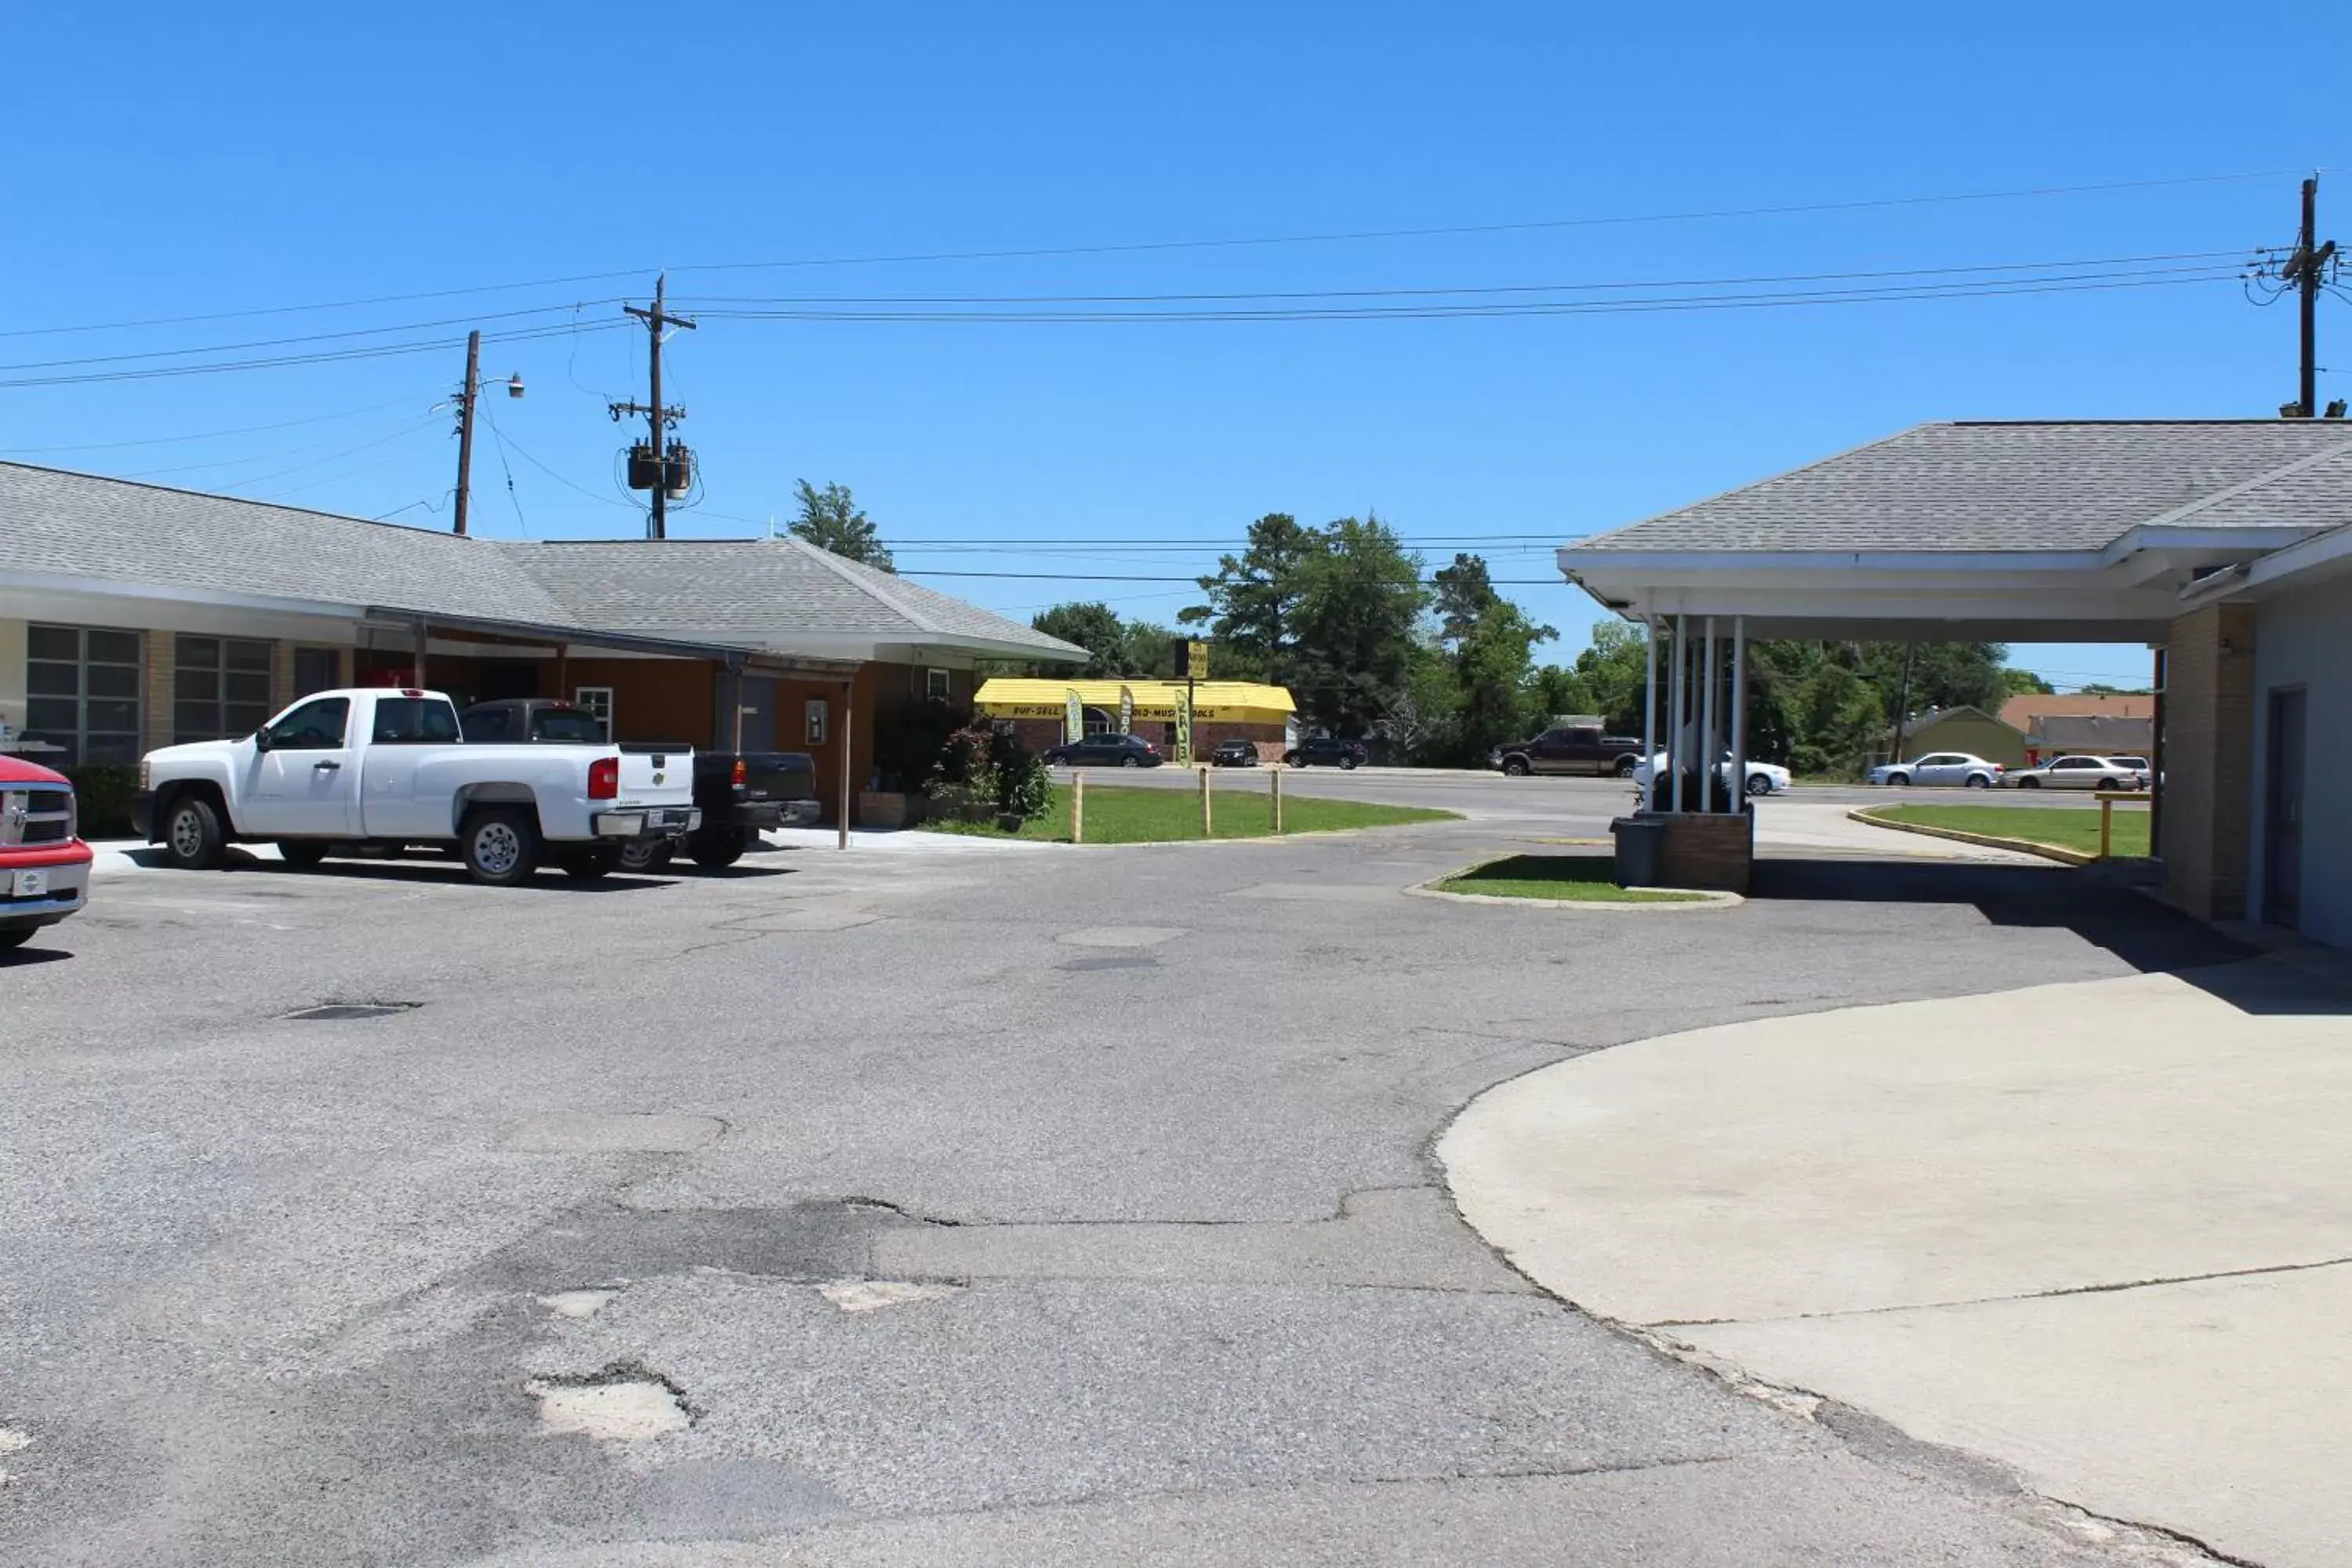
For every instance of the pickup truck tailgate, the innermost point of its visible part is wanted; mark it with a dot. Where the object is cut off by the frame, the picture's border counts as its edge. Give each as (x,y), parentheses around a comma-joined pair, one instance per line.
(779,775)
(655,777)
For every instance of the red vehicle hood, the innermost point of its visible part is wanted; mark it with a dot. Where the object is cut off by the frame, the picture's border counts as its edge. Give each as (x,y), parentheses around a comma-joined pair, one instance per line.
(17,771)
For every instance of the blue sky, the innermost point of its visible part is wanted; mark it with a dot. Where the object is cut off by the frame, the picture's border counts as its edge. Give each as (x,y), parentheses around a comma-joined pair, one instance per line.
(172,161)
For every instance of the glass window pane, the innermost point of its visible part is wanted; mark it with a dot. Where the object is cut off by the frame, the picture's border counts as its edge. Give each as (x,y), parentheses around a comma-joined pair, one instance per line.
(57,718)
(54,642)
(249,656)
(52,680)
(113,680)
(243,687)
(240,718)
(198,653)
(196,720)
(198,685)
(114,647)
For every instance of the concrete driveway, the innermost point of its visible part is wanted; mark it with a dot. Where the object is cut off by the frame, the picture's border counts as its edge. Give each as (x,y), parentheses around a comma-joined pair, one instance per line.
(2101,1233)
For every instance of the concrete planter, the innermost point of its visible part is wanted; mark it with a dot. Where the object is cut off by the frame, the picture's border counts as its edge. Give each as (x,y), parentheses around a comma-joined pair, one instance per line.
(1705,850)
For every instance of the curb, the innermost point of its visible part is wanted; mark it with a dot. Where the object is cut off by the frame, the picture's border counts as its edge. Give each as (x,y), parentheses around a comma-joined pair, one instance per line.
(1698,899)
(1989,841)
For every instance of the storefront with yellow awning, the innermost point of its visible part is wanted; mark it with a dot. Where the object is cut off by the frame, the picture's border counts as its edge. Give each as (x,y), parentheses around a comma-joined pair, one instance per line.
(1222,711)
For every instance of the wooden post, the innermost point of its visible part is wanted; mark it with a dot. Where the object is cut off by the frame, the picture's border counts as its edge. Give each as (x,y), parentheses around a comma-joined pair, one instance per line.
(1078,806)
(1277,797)
(845,733)
(1207,825)
(2107,825)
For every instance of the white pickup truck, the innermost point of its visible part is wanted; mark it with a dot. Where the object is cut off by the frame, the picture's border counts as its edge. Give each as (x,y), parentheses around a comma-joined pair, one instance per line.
(384,767)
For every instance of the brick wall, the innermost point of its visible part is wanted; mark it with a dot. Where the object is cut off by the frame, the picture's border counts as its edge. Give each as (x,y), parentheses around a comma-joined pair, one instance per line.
(160,688)
(2209,760)
(1706,850)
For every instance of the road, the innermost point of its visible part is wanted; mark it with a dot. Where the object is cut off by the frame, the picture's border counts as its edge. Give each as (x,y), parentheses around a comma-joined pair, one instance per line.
(1052,1205)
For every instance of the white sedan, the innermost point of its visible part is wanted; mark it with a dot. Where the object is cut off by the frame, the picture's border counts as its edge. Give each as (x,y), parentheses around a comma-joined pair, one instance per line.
(1763,778)
(2082,772)
(1957,768)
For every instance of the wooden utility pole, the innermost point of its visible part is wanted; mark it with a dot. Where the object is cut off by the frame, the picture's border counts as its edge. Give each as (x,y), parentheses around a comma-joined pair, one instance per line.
(2307,272)
(659,416)
(465,390)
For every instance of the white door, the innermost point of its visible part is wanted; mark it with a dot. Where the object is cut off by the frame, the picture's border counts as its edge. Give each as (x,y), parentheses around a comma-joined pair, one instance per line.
(1939,768)
(2078,773)
(306,783)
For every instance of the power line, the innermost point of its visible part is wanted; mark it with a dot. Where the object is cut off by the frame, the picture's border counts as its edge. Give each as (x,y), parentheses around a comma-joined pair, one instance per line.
(205,434)
(283,342)
(337,356)
(1039,252)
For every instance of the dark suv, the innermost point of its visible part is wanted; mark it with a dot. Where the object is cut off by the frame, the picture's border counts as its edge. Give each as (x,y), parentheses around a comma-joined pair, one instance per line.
(1326,751)
(1570,749)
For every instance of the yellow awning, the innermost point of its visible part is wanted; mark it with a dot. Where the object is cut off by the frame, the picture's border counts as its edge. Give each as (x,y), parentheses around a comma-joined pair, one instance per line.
(1221,701)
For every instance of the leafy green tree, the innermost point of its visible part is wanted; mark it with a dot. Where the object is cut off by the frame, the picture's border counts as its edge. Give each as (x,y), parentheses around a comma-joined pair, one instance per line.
(1838,718)
(2016,682)
(1093,626)
(1148,650)
(2100,689)
(1495,670)
(1253,599)
(1462,594)
(830,520)
(1558,689)
(1359,599)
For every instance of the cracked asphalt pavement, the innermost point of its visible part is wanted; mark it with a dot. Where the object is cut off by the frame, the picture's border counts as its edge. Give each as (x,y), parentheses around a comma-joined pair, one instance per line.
(853,1209)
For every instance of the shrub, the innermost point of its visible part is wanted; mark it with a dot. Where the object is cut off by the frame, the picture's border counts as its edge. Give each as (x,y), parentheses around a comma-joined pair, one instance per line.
(104,791)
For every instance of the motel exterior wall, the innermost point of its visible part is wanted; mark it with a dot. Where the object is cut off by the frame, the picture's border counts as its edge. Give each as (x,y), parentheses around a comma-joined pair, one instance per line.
(2300,646)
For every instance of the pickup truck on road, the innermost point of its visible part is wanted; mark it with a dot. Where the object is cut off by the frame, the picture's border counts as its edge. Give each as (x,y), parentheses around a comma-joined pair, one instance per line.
(383,768)
(1570,749)
(739,795)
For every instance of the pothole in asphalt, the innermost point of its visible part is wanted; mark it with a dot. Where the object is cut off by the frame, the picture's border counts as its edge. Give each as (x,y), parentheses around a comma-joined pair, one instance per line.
(1111,961)
(332,1012)
(1120,936)
(578,1303)
(623,1403)
(874,1295)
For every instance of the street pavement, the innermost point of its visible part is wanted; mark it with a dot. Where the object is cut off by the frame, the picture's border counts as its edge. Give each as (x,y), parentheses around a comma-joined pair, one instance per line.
(2101,1232)
(1061,1205)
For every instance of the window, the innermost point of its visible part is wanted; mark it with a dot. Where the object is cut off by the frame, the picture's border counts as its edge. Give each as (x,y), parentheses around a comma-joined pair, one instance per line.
(936,684)
(566,726)
(415,722)
(597,701)
(220,687)
(81,687)
(317,669)
(313,727)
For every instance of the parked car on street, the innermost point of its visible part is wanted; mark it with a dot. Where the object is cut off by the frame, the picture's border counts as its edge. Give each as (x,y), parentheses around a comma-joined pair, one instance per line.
(1570,749)
(740,796)
(2140,765)
(1326,751)
(384,768)
(2079,773)
(1939,768)
(1107,752)
(1233,754)
(1763,778)
(44,864)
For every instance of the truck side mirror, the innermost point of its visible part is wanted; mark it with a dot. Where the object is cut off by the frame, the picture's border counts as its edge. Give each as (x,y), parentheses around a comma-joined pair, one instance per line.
(261,739)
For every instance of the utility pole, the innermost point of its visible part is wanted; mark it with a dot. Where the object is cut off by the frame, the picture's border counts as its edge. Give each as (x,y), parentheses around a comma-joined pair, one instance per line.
(468,391)
(2306,269)
(663,465)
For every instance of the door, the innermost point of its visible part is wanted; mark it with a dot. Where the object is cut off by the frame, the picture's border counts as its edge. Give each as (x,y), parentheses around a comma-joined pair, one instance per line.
(304,784)
(317,669)
(1550,755)
(755,701)
(1942,768)
(2283,817)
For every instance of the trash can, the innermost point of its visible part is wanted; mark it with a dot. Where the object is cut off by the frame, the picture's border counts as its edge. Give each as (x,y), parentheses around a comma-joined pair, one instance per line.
(1640,844)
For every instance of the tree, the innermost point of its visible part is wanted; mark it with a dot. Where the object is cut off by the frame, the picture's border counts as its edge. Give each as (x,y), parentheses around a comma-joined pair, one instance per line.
(830,520)
(1094,627)
(1562,690)
(1360,598)
(1463,591)
(1838,718)
(1253,599)
(2100,689)
(1496,673)
(2016,682)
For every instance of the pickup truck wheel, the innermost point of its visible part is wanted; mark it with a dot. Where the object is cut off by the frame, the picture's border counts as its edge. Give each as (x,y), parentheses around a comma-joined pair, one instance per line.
(502,846)
(587,865)
(1514,767)
(193,835)
(301,856)
(644,855)
(1625,767)
(715,848)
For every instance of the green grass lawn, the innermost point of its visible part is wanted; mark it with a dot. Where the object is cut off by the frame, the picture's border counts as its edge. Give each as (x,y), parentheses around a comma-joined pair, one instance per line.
(1116,815)
(1582,878)
(2068,828)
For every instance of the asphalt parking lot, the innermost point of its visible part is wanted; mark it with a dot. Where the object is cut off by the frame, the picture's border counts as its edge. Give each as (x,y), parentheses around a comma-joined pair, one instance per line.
(1043,1205)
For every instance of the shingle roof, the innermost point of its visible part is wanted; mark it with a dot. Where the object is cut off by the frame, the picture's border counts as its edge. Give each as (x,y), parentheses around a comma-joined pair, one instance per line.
(755,593)
(2023,486)
(2028,709)
(80,525)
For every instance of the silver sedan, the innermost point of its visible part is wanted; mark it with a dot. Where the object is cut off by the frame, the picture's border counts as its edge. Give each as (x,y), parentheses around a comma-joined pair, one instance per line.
(2079,773)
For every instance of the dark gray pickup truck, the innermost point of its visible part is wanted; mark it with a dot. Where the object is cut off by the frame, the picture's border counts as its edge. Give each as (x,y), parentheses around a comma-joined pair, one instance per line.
(1570,749)
(741,793)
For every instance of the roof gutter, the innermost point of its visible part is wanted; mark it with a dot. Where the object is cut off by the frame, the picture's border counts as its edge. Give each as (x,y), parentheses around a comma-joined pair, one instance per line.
(628,642)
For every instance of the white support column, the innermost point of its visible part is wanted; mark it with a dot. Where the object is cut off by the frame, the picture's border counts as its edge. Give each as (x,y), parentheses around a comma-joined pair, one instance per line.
(1677,711)
(1708,746)
(1649,707)
(1738,709)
